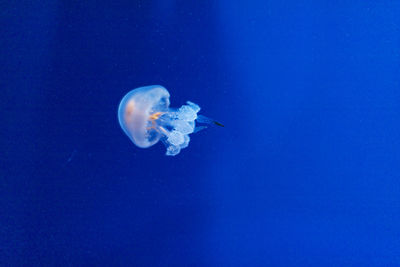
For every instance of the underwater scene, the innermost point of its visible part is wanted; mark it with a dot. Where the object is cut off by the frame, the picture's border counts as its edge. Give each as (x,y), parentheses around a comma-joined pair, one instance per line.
(200,133)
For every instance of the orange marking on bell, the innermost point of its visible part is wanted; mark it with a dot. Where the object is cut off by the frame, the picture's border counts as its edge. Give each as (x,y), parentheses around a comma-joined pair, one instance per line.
(156,115)
(130,106)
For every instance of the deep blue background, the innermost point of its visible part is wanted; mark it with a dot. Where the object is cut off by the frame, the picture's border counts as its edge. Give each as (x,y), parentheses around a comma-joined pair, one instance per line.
(305,173)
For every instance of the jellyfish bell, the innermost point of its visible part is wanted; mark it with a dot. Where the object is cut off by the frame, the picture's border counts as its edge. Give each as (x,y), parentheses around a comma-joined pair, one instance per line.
(145,117)
(140,107)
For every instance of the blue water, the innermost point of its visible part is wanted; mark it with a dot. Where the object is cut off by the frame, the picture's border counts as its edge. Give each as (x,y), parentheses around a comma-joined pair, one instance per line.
(305,172)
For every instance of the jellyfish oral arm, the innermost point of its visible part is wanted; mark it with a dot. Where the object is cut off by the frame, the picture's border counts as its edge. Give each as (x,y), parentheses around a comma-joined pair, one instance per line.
(176,125)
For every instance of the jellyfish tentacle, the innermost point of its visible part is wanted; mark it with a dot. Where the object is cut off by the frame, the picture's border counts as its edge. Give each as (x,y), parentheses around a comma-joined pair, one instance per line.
(206,120)
(199,128)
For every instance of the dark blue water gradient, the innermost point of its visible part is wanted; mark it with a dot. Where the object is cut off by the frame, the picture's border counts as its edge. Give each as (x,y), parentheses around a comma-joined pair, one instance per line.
(305,173)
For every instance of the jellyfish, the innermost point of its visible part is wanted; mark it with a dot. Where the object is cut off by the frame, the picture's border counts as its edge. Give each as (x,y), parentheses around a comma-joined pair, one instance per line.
(146,118)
